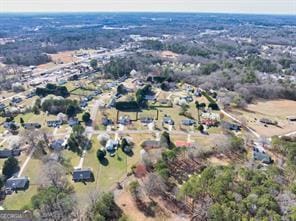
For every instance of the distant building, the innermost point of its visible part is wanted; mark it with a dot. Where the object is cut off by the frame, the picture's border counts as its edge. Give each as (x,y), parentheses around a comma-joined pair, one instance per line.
(150,97)
(188,122)
(2,107)
(150,144)
(231,126)
(54,123)
(16,100)
(124,120)
(291,118)
(106,121)
(31,125)
(146,120)
(268,121)
(82,175)
(168,120)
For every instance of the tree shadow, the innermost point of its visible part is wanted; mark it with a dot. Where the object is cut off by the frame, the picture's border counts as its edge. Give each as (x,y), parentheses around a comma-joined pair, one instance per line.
(104,161)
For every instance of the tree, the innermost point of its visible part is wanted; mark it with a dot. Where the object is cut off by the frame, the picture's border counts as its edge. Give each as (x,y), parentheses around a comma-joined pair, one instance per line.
(165,140)
(200,128)
(10,167)
(101,154)
(22,121)
(86,117)
(198,108)
(94,64)
(71,111)
(104,208)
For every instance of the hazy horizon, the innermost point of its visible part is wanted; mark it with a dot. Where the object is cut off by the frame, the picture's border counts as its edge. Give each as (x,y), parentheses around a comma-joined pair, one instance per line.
(276,7)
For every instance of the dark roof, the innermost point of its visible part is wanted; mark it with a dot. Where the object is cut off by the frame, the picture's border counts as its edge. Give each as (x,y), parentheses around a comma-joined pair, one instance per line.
(82,174)
(168,120)
(31,125)
(188,122)
(5,153)
(15,183)
(151,144)
(57,144)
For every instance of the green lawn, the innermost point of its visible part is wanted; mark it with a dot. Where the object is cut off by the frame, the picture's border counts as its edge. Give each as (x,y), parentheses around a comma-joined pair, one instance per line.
(106,176)
(23,198)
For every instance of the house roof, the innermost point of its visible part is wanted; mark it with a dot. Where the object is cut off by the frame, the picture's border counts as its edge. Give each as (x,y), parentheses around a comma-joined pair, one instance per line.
(151,143)
(17,182)
(57,144)
(8,153)
(82,174)
(188,122)
(180,143)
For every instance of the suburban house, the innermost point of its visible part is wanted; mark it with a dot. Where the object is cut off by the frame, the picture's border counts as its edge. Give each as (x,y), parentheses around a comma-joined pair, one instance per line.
(17,183)
(168,120)
(83,103)
(5,153)
(209,122)
(289,118)
(10,125)
(150,97)
(197,93)
(124,120)
(187,98)
(111,147)
(54,123)
(150,144)
(58,145)
(2,107)
(231,126)
(106,121)
(82,175)
(259,154)
(146,120)
(31,125)
(188,122)
(73,122)
(16,100)
(180,143)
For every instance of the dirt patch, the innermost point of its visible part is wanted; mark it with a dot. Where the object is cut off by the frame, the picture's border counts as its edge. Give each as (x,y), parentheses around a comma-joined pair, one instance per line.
(59,58)
(275,110)
(168,54)
(128,206)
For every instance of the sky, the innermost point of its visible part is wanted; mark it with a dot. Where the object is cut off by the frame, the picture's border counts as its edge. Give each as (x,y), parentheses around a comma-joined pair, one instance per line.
(228,6)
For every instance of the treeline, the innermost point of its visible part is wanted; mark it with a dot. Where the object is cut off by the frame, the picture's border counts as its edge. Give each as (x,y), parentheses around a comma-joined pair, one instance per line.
(118,67)
(24,53)
(56,106)
(177,47)
(52,89)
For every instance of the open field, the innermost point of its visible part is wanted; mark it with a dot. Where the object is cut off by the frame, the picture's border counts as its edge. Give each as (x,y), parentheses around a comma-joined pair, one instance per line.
(276,110)
(61,57)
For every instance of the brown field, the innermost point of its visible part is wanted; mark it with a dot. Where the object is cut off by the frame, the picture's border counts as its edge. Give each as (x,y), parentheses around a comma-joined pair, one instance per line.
(61,57)
(168,54)
(276,110)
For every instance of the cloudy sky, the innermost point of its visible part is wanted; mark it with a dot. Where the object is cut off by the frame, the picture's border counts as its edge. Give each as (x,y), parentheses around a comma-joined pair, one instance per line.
(237,6)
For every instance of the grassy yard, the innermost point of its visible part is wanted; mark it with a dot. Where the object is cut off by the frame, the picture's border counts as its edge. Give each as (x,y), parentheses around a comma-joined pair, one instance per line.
(23,198)
(106,176)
